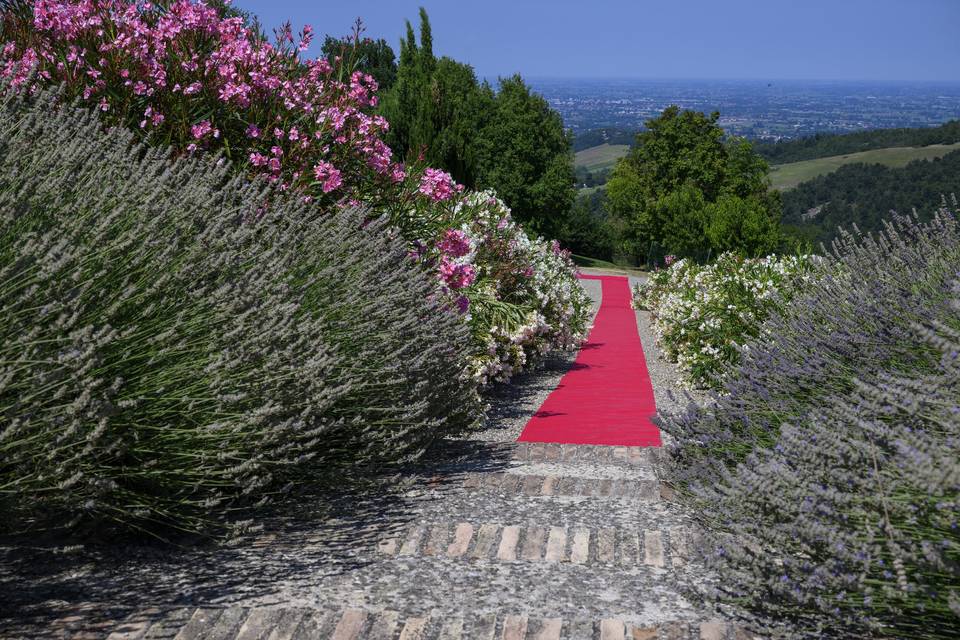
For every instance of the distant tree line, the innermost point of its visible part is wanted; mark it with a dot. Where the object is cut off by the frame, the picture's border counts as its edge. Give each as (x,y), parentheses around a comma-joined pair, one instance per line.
(865,194)
(587,178)
(689,190)
(825,145)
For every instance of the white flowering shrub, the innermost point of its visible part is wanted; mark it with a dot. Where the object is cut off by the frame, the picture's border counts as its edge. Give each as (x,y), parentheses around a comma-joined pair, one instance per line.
(521,294)
(703,315)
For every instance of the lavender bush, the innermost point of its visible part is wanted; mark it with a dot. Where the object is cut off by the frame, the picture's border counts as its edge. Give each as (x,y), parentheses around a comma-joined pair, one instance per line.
(829,469)
(170,352)
(853,321)
(848,526)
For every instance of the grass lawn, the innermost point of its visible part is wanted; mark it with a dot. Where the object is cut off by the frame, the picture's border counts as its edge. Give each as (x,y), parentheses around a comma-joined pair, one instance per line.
(603,156)
(585,191)
(787,176)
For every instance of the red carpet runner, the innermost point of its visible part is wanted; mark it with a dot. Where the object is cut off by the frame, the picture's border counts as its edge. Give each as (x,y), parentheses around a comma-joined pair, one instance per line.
(606,397)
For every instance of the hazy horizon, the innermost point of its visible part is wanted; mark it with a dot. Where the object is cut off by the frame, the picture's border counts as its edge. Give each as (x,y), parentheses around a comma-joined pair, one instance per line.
(817,40)
(896,81)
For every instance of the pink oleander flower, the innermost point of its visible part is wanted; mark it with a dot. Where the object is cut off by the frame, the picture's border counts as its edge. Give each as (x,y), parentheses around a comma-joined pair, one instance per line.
(669,260)
(456,276)
(329,176)
(455,243)
(201,129)
(185,58)
(436,185)
(306,36)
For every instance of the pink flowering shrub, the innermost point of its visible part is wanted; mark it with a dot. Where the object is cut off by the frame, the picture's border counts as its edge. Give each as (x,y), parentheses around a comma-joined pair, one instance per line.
(183,74)
(436,185)
(186,75)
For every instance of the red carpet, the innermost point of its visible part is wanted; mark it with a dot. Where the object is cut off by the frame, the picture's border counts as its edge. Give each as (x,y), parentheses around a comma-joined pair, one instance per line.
(606,397)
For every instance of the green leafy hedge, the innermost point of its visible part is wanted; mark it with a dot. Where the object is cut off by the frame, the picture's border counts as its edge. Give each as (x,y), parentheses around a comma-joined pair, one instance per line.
(171,352)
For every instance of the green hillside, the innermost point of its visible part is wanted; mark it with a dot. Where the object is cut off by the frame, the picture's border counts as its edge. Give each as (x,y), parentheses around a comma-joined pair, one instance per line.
(601,157)
(827,145)
(788,176)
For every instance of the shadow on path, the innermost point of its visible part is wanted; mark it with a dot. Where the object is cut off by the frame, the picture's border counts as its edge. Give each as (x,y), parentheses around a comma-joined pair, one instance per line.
(46,585)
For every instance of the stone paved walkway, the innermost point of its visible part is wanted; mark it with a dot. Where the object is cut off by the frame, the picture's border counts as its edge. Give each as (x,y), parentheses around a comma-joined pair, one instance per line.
(492,540)
(506,541)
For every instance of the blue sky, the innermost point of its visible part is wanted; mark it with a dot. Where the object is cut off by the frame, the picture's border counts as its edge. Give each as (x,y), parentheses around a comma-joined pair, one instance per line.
(726,39)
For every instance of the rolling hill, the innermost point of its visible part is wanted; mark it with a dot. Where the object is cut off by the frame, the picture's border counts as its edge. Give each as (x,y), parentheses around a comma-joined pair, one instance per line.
(601,157)
(788,176)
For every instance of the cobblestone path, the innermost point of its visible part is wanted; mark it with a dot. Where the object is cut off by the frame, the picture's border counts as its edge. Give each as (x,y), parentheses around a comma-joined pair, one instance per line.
(506,541)
(486,539)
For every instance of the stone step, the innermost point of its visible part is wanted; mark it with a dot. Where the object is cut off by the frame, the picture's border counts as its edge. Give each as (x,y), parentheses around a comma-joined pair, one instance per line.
(593,454)
(506,483)
(239,623)
(495,542)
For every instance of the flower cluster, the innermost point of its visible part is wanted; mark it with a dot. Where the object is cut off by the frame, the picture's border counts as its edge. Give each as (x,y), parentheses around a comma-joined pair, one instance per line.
(187,75)
(523,294)
(437,185)
(704,314)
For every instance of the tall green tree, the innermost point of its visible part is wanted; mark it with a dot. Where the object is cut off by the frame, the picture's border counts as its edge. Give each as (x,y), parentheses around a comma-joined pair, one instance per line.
(527,157)
(460,109)
(375,57)
(681,173)
(408,105)
(436,107)
(508,140)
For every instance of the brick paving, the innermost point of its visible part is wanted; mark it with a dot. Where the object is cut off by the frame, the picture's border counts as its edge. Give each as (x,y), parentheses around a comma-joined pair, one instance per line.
(484,544)
(357,624)
(498,553)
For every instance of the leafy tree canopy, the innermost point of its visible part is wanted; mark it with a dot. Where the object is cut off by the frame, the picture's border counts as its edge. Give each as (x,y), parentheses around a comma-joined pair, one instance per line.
(680,175)
(375,57)
(508,140)
(527,157)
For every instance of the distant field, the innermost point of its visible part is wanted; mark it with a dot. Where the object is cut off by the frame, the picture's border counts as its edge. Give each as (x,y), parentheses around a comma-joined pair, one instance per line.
(603,156)
(585,191)
(787,176)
